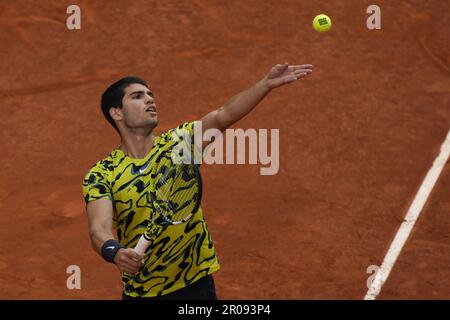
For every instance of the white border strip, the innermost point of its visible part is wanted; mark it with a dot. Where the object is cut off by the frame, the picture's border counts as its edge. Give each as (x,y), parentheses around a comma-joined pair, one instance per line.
(408,223)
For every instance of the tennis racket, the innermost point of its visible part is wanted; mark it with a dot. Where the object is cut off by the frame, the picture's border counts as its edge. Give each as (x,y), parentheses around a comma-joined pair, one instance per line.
(175,193)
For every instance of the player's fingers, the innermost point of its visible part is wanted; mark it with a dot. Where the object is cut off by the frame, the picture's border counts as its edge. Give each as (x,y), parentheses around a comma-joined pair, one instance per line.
(136,256)
(125,261)
(129,260)
(139,257)
(133,263)
(290,79)
(282,66)
(302,72)
(136,268)
(125,268)
(302,66)
(130,271)
(129,267)
(132,254)
(138,264)
(295,77)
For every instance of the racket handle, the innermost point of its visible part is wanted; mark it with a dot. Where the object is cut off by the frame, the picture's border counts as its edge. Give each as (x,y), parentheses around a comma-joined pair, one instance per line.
(142,245)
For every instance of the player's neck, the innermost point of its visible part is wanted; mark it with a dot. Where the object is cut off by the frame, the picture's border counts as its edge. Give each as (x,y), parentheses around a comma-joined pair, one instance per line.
(137,146)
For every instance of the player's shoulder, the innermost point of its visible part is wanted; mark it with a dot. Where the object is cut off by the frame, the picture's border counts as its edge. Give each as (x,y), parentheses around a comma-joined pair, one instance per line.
(105,166)
(186,128)
(97,182)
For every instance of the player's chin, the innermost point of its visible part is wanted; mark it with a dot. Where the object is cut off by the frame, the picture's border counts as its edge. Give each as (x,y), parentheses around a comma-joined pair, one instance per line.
(153,122)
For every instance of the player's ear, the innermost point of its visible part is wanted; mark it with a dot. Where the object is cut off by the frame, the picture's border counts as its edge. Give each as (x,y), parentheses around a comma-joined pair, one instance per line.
(116,113)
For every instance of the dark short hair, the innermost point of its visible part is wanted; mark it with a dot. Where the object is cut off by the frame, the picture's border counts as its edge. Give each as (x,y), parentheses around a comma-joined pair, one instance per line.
(112,97)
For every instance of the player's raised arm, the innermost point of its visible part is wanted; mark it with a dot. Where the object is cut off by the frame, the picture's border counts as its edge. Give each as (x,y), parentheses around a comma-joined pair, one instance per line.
(241,104)
(100,216)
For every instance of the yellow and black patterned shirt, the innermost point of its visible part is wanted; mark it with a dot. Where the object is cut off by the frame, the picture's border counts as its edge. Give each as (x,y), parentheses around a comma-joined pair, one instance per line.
(181,254)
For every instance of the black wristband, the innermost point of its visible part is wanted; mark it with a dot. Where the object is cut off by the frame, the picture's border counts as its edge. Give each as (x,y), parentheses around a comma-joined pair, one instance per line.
(110,248)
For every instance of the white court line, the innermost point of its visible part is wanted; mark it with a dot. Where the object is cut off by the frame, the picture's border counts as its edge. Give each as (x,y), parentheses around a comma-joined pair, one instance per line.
(410,218)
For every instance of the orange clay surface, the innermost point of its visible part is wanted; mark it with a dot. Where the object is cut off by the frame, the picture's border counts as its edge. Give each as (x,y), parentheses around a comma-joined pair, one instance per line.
(356,139)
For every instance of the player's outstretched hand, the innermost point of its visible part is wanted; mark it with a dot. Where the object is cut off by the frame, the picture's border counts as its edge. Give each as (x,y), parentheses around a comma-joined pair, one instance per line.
(282,74)
(128,260)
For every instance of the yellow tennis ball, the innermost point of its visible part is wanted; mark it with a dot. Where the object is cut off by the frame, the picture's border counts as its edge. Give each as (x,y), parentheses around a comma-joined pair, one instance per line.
(322,23)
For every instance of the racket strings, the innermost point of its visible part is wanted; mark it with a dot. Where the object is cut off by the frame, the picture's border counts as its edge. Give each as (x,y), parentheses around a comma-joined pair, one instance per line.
(177,191)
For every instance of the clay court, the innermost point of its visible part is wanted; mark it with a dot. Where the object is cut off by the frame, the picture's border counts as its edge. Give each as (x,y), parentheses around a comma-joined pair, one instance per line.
(357,139)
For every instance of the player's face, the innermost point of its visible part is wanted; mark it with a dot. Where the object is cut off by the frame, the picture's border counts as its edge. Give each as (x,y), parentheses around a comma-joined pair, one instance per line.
(139,108)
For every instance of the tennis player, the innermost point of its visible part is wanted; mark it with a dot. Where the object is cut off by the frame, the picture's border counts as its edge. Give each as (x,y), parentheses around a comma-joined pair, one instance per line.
(183,258)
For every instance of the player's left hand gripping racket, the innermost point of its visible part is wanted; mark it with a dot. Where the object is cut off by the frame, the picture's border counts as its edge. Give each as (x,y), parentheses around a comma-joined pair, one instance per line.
(175,193)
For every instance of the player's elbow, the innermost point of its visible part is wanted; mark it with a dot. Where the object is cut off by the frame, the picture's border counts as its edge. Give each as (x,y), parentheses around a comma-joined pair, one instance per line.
(223,119)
